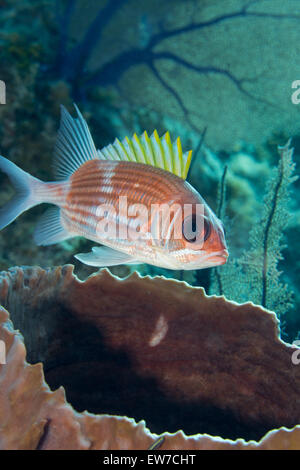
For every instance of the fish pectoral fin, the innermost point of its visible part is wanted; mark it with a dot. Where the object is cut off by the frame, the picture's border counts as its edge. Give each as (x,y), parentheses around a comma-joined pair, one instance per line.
(102,256)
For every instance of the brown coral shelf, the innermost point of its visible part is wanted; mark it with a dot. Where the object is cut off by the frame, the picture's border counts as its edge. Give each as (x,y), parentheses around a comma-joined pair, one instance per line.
(152,349)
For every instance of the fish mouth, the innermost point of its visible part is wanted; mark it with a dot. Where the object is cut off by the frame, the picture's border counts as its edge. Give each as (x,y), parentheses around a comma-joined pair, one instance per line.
(214,259)
(217,259)
(211,260)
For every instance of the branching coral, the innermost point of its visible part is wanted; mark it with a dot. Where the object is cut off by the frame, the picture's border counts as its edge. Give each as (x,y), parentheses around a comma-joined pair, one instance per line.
(118,49)
(72,62)
(255,275)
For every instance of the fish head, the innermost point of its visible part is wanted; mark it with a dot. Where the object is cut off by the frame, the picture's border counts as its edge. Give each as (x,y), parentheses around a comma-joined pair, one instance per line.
(195,237)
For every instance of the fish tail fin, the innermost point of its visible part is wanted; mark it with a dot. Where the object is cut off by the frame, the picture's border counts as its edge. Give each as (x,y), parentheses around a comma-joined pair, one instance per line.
(25,196)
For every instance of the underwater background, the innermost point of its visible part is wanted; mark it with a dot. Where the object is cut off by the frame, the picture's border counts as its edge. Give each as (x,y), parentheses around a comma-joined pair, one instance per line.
(221,75)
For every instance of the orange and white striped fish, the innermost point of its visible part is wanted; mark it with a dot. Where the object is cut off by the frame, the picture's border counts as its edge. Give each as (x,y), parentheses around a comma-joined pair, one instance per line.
(131,197)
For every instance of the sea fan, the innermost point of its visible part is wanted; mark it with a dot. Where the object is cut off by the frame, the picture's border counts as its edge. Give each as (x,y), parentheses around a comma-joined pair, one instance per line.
(255,276)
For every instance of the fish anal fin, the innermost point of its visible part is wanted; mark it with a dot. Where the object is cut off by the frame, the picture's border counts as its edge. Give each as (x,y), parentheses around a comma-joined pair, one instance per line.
(49,229)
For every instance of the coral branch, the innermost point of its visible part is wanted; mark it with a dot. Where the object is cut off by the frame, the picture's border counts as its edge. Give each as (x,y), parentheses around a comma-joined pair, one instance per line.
(171,90)
(64,22)
(255,276)
(220,213)
(285,153)
(242,13)
(109,73)
(204,70)
(79,55)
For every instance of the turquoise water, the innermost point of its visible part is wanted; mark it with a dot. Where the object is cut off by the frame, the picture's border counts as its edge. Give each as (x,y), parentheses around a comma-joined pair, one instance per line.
(224,76)
(205,71)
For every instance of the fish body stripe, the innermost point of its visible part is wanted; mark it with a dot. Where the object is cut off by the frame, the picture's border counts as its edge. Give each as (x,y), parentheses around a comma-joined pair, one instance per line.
(99,182)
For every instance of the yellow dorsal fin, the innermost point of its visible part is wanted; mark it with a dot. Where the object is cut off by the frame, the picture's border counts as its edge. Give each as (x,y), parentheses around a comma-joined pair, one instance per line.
(156,151)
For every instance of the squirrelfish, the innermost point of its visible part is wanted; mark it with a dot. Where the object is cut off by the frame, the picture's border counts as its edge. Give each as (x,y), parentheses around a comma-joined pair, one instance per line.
(131,197)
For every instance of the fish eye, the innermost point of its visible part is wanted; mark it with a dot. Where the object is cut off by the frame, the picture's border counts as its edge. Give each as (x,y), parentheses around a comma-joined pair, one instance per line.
(189,228)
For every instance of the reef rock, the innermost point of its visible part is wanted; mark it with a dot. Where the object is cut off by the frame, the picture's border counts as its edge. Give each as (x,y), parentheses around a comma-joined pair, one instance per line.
(149,348)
